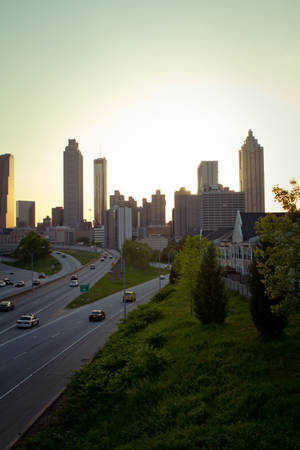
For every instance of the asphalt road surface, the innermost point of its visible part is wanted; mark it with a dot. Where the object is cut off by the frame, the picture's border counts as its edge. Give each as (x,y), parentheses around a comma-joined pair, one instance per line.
(36,364)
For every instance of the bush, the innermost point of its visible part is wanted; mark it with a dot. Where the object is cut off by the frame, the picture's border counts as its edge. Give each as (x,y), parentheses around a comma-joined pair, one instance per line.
(209,296)
(267,323)
(140,318)
(163,293)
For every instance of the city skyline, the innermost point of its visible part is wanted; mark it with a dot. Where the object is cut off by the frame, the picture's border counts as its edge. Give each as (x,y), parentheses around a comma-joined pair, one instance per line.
(160,88)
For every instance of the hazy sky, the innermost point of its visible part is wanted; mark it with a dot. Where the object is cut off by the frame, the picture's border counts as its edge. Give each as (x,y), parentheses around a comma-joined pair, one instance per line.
(159,85)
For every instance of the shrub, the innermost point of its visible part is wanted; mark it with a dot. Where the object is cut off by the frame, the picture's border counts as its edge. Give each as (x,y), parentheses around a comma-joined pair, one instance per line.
(267,323)
(140,318)
(209,295)
(163,293)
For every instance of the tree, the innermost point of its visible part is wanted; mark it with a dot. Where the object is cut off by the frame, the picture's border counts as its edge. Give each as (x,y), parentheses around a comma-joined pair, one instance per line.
(32,245)
(278,258)
(209,295)
(188,263)
(137,254)
(266,322)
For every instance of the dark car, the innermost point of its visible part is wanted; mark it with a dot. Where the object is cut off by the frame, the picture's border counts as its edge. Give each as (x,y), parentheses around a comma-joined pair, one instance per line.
(74,277)
(8,281)
(6,305)
(20,284)
(92,266)
(42,275)
(97,314)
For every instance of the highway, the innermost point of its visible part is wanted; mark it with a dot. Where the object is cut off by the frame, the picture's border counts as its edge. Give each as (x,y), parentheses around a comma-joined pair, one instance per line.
(36,364)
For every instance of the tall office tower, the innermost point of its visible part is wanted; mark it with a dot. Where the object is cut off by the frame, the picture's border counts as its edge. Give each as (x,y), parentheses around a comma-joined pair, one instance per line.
(25,213)
(57,216)
(116,199)
(73,185)
(158,209)
(7,191)
(251,169)
(186,215)
(117,227)
(145,213)
(100,190)
(207,175)
(218,208)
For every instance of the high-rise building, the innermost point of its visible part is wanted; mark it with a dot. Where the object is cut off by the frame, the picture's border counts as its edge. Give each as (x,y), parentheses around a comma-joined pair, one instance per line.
(207,175)
(57,216)
(117,227)
(158,209)
(73,185)
(116,199)
(100,190)
(25,213)
(218,208)
(186,213)
(251,170)
(7,191)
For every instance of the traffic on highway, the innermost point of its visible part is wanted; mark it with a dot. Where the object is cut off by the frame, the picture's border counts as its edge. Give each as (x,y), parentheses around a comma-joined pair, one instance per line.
(39,356)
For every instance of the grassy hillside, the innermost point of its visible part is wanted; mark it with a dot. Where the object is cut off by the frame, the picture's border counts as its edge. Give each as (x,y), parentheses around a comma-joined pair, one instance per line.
(164,381)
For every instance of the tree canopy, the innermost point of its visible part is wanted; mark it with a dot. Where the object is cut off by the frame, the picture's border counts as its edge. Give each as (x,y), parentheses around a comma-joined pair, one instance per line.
(278,258)
(32,245)
(137,254)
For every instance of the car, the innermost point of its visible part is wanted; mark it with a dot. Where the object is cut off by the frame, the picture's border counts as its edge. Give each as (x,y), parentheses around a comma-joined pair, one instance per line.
(58,253)
(74,283)
(6,305)
(92,266)
(7,281)
(42,275)
(64,256)
(162,277)
(110,257)
(101,259)
(20,284)
(11,273)
(74,277)
(97,314)
(2,283)
(36,282)
(129,296)
(27,321)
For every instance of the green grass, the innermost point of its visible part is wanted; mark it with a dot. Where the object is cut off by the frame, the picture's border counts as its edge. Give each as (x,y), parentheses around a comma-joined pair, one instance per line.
(111,283)
(83,256)
(49,265)
(165,381)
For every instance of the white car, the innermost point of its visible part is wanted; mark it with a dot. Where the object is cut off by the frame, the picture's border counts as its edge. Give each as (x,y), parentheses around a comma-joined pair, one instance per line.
(74,283)
(2,283)
(27,321)
(162,277)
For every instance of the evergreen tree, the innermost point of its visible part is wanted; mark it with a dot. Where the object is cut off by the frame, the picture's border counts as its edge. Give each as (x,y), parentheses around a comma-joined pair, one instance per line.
(266,322)
(209,295)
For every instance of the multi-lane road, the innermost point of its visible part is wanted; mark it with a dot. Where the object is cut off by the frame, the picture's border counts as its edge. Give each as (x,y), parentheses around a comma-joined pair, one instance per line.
(36,364)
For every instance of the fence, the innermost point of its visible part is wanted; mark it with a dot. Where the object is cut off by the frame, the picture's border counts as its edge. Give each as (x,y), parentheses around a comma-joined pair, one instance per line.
(237,286)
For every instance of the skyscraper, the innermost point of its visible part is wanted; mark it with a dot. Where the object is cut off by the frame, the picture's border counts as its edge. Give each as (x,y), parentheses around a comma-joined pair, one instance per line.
(251,170)
(25,213)
(73,185)
(100,190)
(158,209)
(207,175)
(7,191)
(57,216)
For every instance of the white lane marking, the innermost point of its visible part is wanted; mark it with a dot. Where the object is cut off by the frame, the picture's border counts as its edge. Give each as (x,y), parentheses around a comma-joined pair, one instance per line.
(21,354)
(54,335)
(40,327)
(53,358)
